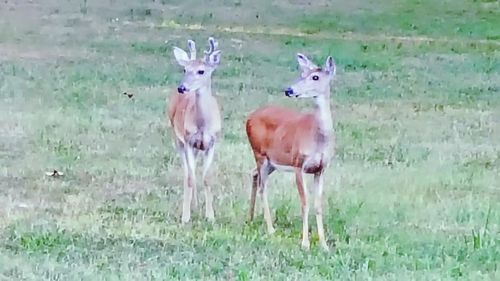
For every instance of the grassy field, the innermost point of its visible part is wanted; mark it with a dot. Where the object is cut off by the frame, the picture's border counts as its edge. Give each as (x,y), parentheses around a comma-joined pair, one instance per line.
(413,193)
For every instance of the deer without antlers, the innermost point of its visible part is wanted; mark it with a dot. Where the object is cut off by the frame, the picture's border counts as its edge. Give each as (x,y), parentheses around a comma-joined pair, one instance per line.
(195,118)
(301,142)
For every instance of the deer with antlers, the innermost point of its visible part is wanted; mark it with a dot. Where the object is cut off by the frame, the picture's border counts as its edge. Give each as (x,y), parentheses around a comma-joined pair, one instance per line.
(195,118)
(300,142)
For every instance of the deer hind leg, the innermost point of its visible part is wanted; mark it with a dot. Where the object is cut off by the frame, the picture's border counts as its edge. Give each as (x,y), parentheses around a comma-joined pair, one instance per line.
(302,189)
(255,184)
(318,198)
(190,183)
(265,170)
(207,161)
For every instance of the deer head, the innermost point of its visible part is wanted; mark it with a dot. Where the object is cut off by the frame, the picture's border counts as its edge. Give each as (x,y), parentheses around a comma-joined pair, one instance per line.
(313,81)
(197,72)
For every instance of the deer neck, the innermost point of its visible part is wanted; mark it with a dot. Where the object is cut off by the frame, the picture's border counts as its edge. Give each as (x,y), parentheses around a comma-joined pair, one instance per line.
(322,113)
(203,95)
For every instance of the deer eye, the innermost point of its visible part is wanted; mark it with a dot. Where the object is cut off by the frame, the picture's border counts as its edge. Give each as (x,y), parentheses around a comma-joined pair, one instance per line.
(184,70)
(315,77)
(200,72)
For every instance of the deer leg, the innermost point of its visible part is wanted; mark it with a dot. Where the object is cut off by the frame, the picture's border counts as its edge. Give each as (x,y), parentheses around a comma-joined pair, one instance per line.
(190,183)
(301,187)
(318,198)
(207,161)
(255,184)
(195,190)
(181,149)
(265,170)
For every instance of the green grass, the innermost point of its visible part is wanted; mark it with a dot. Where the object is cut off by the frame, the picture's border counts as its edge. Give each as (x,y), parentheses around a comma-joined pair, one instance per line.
(413,193)
(463,19)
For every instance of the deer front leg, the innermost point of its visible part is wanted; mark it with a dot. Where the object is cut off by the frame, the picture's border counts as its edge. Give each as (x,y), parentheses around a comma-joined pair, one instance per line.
(301,187)
(207,161)
(318,198)
(194,200)
(190,183)
(181,149)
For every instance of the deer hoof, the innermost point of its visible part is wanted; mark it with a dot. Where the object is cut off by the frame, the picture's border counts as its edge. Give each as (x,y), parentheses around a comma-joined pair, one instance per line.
(185,219)
(305,245)
(210,217)
(271,230)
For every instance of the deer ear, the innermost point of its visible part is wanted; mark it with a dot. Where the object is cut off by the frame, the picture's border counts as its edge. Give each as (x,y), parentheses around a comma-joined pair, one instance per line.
(330,67)
(304,63)
(181,56)
(214,58)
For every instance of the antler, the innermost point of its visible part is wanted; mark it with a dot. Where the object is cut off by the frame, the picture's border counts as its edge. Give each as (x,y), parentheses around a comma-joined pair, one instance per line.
(192,49)
(212,46)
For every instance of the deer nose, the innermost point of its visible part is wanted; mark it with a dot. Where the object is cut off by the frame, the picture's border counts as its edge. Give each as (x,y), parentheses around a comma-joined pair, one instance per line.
(181,89)
(289,92)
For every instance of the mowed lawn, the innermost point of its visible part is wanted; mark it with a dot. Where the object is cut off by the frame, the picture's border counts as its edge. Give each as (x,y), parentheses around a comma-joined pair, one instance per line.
(412,194)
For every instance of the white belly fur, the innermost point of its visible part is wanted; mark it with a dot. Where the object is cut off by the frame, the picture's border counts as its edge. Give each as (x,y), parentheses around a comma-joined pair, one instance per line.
(311,161)
(283,168)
